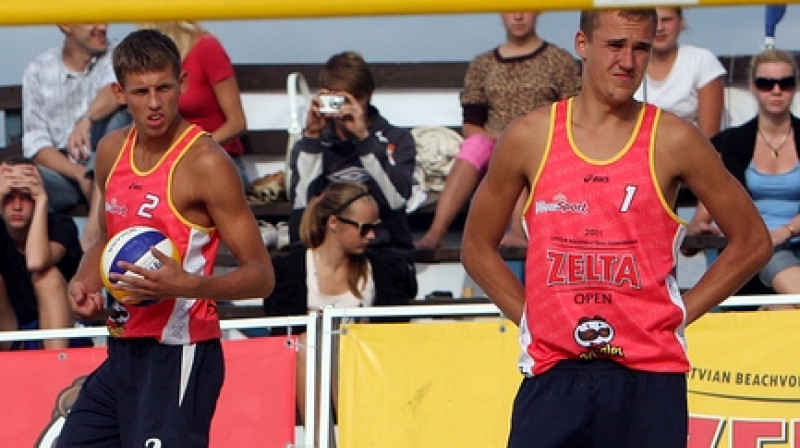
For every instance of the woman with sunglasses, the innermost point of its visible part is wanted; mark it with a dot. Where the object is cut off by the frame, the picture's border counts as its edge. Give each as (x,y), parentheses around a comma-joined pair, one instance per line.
(334,264)
(763,155)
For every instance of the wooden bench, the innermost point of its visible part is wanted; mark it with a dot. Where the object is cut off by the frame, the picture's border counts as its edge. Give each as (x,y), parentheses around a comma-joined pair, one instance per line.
(271,78)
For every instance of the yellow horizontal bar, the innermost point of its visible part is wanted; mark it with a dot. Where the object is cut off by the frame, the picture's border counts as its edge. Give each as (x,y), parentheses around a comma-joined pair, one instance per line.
(36,12)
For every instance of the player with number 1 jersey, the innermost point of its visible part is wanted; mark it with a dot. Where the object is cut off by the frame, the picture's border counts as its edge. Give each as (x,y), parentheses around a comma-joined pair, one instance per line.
(601,258)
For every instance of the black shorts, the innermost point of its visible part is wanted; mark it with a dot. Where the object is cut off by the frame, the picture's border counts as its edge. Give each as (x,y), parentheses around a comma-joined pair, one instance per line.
(147,394)
(600,404)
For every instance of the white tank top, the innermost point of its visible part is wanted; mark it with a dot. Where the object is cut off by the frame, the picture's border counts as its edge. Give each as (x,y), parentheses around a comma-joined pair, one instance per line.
(318,300)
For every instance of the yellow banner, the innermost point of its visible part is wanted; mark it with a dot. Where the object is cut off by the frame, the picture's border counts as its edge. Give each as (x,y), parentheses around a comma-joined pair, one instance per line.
(744,386)
(451,384)
(439,384)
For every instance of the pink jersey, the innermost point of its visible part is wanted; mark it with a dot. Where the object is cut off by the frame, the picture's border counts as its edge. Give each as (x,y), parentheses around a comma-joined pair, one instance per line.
(135,197)
(602,248)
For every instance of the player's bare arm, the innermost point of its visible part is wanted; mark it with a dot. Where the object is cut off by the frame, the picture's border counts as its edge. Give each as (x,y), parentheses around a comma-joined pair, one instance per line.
(222,203)
(515,160)
(684,154)
(85,287)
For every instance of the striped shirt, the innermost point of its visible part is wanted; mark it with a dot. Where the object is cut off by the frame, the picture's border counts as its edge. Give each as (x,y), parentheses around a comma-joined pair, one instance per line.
(54,97)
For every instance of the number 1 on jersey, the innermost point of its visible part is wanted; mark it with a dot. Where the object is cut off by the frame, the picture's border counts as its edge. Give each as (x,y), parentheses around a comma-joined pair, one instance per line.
(630,191)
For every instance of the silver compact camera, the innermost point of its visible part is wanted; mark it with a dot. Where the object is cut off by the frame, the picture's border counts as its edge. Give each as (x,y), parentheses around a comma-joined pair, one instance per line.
(330,104)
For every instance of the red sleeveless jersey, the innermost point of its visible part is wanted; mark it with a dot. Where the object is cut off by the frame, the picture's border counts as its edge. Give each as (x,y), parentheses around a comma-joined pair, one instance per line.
(602,248)
(135,197)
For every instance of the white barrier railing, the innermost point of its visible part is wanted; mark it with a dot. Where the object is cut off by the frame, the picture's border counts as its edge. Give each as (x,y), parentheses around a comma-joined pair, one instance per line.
(320,333)
(758,300)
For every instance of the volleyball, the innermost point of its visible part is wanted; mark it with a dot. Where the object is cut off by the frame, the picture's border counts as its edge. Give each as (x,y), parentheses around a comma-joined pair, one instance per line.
(133,245)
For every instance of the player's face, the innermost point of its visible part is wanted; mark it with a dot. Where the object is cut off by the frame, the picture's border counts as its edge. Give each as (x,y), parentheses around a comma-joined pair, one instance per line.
(616,57)
(773,98)
(669,27)
(152,99)
(17,209)
(519,24)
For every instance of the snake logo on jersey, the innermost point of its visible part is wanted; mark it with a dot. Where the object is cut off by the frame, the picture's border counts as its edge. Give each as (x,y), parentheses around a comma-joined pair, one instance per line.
(595,335)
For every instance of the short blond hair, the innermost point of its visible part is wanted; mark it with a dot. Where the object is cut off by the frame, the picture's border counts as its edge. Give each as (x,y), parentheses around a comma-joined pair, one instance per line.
(771,55)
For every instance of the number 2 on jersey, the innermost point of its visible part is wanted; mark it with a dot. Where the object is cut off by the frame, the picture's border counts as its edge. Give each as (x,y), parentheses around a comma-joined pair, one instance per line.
(146,208)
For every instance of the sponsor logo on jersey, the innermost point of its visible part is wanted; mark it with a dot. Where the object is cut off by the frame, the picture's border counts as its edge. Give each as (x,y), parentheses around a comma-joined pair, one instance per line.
(596,178)
(601,268)
(595,334)
(560,204)
(114,208)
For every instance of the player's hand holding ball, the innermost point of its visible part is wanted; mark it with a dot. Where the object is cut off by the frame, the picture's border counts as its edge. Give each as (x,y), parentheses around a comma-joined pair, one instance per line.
(140,265)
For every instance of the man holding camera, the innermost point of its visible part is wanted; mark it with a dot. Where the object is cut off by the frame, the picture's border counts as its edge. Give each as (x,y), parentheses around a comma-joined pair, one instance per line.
(346,139)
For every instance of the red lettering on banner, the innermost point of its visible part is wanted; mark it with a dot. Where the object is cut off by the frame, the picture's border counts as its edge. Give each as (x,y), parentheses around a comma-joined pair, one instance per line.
(705,432)
(754,433)
(578,268)
(796,432)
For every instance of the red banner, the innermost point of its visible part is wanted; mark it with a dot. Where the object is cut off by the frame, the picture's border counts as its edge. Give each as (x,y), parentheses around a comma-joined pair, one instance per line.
(256,406)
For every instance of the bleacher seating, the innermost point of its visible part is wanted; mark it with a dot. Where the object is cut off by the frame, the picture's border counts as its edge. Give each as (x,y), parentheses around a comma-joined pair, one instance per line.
(409,93)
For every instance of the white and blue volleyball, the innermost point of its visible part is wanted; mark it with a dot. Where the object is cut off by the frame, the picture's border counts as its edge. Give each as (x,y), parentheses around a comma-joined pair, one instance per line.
(133,245)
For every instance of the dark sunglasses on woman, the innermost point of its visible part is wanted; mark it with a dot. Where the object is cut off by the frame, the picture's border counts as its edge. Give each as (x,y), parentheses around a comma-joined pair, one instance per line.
(363,227)
(767,84)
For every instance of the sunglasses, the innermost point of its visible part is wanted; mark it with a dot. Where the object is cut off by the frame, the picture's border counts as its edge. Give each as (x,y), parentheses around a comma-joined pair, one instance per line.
(363,227)
(768,84)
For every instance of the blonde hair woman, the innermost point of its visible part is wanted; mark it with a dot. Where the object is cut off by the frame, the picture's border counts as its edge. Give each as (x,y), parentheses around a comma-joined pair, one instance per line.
(334,265)
(212,99)
(764,155)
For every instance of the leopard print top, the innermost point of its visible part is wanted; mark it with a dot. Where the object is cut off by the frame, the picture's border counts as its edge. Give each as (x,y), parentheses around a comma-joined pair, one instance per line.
(503,89)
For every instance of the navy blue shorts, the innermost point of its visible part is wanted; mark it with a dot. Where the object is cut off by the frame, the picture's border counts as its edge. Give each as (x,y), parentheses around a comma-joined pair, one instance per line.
(147,395)
(600,404)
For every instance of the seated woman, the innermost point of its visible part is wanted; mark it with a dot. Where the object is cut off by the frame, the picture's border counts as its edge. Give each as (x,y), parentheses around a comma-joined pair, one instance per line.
(212,99)
(502,84)
(336,266)
(763,155)
(683,79)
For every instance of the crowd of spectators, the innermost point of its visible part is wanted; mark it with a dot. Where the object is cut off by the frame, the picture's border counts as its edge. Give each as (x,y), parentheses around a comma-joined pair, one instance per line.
(68,106)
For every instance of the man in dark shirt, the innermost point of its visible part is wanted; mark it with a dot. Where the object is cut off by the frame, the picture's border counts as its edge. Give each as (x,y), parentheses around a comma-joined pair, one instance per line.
(39,253)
